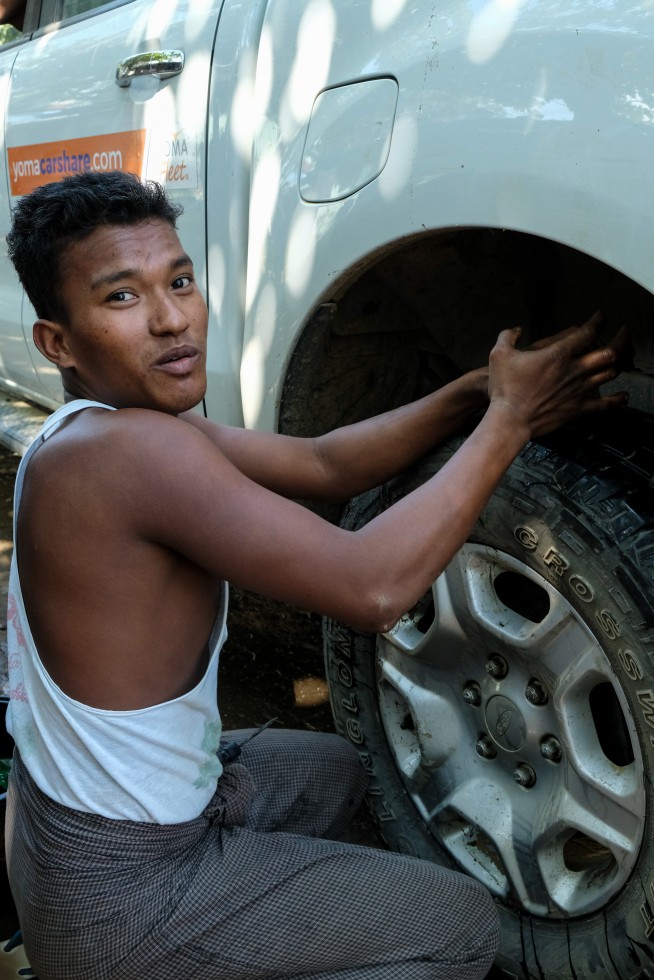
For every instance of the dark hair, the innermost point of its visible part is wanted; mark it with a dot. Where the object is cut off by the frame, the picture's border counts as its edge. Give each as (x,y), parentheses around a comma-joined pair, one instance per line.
(50,218)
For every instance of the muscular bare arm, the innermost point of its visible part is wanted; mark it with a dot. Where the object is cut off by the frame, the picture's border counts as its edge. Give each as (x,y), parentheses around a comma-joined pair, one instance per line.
(225,523)
(354,458)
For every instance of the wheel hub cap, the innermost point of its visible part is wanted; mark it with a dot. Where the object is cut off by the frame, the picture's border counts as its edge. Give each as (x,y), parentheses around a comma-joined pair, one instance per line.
(505,723)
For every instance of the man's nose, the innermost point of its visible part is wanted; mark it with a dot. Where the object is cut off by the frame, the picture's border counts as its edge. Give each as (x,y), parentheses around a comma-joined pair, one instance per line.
(167,316)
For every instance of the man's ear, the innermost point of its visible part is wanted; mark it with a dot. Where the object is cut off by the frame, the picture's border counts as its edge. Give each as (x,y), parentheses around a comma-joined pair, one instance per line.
(51,340)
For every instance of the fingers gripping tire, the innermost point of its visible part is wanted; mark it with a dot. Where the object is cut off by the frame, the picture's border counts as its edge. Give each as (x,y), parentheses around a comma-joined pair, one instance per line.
(507,721)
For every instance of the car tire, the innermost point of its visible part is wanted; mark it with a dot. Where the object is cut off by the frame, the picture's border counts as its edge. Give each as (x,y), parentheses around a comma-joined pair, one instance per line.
(507,721)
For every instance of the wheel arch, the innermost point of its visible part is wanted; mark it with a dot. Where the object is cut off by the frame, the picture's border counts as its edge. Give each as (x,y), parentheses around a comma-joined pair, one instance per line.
(419,311)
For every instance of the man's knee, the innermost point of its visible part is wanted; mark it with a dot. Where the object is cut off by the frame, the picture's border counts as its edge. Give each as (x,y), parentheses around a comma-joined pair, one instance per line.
(477,937)
(346,760)
(344,771)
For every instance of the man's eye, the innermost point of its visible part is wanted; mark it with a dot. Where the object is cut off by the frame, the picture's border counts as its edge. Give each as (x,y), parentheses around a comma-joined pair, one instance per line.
(182,282)
(121,296)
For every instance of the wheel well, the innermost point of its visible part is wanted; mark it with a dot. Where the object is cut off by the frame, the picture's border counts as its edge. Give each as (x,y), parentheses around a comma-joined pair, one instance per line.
(419,315)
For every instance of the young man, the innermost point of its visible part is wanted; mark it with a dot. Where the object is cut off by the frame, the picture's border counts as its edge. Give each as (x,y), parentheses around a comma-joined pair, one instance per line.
(131,852)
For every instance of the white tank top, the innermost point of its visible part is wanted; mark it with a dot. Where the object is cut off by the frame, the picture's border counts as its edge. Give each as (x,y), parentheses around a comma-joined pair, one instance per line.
(155,764)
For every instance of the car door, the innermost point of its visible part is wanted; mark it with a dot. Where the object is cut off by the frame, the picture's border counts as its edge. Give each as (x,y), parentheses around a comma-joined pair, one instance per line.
(17,364)
(120,85)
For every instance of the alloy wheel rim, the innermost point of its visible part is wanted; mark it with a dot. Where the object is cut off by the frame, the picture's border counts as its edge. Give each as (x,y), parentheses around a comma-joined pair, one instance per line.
(513,738)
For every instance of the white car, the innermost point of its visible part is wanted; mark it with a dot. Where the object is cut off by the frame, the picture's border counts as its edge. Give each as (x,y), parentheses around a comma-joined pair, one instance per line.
(372,190)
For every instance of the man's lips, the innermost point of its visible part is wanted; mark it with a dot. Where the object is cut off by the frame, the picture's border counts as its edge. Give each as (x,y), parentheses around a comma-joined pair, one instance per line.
(178,360)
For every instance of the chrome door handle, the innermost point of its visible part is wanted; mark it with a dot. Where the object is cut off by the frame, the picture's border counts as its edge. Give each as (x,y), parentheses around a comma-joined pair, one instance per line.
(161,64)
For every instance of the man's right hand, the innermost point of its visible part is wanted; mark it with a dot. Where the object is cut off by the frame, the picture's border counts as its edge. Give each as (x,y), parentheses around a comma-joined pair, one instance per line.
(555,380)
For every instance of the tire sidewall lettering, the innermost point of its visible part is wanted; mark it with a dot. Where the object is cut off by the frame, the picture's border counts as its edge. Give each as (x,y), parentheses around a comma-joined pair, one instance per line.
(560,566)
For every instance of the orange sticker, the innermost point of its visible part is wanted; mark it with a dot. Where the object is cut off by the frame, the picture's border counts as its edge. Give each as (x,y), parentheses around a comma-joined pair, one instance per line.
(42,163)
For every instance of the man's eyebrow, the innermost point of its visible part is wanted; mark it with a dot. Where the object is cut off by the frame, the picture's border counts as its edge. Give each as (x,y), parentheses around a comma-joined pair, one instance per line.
(113,277)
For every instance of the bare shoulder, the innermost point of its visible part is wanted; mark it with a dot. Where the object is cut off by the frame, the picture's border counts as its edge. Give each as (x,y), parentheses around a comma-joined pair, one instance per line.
(120,434)
(121,449)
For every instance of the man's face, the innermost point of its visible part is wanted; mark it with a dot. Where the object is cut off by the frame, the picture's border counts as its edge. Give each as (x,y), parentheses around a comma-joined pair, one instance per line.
(137,322)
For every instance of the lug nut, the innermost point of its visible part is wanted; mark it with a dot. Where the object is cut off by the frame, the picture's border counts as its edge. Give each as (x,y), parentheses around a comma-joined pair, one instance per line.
(472,694)
(535,692)
(551,749)
(524,775)
(497,667)
(485,747)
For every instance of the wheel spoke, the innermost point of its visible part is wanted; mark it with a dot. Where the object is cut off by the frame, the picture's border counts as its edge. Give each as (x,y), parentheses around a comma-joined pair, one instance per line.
(565,647)
(612,820)
(433,629)
(589,839)
(485,828)
(483,571)
(422,718)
